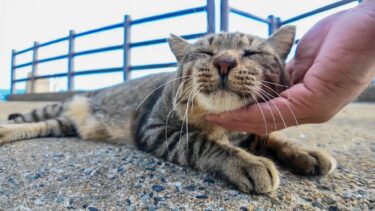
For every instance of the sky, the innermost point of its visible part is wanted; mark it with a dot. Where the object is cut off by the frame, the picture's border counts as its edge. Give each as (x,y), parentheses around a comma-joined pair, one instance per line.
(24,21)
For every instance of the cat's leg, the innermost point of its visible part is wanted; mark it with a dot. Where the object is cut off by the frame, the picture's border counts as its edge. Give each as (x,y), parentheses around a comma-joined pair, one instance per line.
(37,115)
(249,173)
(300,160)
(58,127)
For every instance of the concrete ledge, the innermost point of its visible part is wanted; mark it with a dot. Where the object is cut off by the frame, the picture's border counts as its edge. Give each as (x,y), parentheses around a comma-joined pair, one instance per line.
(61,96)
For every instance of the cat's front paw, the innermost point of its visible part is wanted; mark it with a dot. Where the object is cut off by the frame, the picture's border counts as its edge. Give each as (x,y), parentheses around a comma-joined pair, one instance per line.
(314,162)
(253,176)
(325,163)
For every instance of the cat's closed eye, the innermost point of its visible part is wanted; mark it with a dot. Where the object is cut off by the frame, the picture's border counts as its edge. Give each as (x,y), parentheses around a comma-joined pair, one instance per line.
(206,52)
(249,53)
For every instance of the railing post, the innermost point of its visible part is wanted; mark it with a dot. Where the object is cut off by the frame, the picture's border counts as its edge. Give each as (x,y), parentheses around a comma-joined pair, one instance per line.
(126,50)
(71,61)
(34,66)
(274,23)
(12,72)
(224,15)
(210,16)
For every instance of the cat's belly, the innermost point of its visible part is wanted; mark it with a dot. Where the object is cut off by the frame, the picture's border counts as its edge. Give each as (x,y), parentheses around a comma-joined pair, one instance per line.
(98,123)
(109,113)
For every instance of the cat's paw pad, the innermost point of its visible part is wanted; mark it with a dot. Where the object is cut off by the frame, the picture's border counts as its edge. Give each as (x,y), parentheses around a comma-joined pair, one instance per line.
(256,176)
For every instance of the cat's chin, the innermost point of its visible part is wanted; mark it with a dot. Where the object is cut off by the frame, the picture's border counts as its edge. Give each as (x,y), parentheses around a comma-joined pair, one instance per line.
(220,101)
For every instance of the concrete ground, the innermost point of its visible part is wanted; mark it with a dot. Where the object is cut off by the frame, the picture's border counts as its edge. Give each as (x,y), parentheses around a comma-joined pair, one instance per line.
(60,174)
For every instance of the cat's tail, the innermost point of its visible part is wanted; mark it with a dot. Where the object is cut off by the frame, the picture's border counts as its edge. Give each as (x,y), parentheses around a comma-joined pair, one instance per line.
(38,115)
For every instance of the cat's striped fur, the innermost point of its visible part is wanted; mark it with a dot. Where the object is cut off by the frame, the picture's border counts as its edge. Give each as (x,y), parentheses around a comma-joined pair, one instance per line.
(164,114)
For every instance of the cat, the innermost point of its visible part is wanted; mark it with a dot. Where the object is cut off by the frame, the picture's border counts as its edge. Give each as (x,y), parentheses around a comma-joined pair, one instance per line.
(164,114)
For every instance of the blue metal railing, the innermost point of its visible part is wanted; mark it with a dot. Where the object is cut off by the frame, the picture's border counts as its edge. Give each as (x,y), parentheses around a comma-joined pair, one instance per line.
(273,23)
(126,46)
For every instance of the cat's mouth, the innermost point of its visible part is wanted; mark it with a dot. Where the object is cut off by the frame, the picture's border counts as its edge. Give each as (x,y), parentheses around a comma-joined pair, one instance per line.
(248,93)
(227,94)
(222,100)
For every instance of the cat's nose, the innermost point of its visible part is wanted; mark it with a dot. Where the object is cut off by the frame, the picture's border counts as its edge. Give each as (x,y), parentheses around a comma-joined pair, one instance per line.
(224,65)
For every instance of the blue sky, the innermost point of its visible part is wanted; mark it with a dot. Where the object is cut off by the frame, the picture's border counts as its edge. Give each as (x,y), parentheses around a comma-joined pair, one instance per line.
(24,21)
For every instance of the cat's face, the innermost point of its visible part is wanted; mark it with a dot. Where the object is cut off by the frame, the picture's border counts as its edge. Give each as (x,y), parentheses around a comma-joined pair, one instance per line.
(229,70)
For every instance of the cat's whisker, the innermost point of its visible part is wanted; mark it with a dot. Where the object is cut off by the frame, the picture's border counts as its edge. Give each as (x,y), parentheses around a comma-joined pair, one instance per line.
(276,84)
(178,95)
(186,117)
(285,102)
(149,94)
(266,101)
(251,92)
(173,107)
(190,101)
(269,97)
(196,92)
(175,100)
(265,136)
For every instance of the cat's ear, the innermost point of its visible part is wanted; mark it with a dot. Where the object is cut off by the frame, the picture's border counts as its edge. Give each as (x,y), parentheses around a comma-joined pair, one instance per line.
(179,46)
(282,40)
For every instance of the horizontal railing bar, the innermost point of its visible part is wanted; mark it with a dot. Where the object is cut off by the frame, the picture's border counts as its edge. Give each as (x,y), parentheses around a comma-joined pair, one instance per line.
(193,36)
(316,11)
(21,80)
(41,77)
(23,65)
(248,15)
(52,59)
(98,50)
(42,61)
(153,66)
(104,70)
(51,76)
(24,51)
(84,72)
(148,42)
(163,40)
(53,42)
(43,45)
(105,28)
(169,15)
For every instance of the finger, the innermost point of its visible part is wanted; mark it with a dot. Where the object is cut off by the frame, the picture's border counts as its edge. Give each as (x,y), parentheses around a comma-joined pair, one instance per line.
(260,119)
(289,68)
(299,69)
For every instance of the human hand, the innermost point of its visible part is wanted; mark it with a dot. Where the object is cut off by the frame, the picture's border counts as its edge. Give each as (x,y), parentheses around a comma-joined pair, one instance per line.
(334,63)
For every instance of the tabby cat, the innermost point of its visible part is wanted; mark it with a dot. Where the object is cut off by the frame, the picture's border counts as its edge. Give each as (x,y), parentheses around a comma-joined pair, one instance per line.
(164,114)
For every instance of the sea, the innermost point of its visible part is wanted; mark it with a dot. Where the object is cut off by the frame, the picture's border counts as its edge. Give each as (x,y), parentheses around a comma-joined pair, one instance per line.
(3,94)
